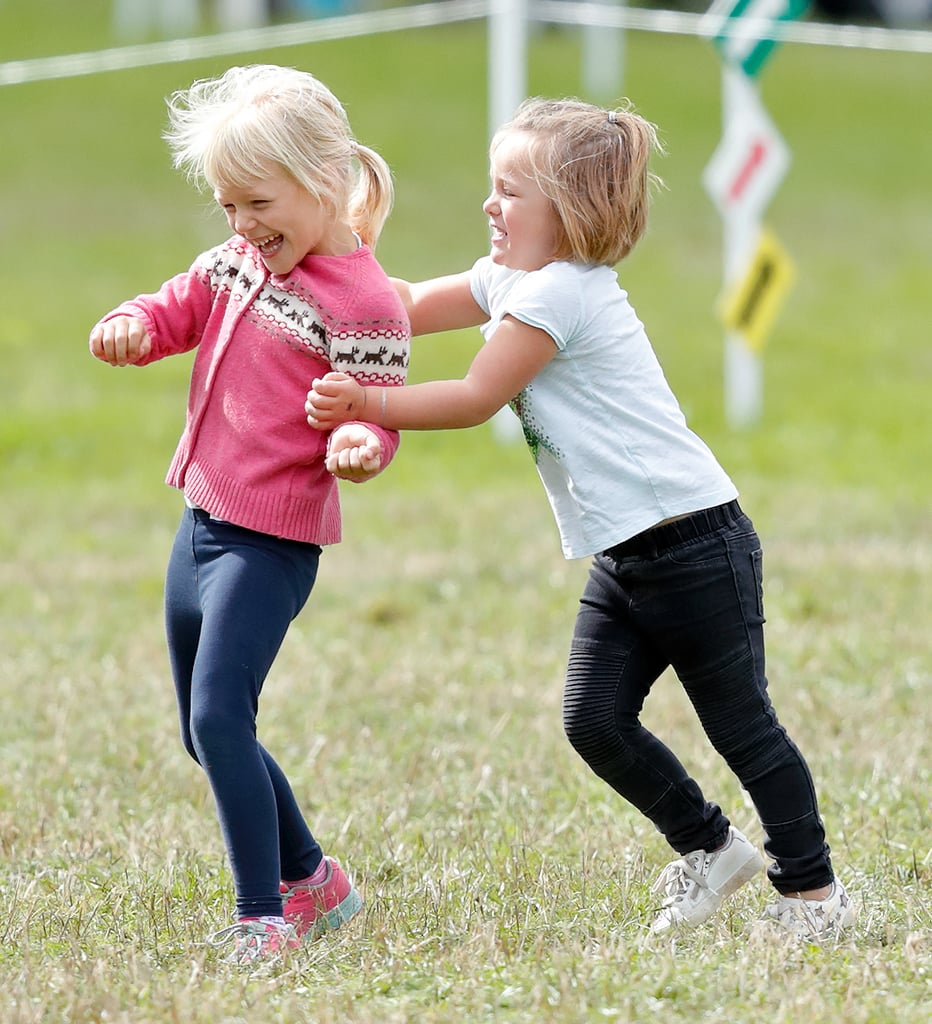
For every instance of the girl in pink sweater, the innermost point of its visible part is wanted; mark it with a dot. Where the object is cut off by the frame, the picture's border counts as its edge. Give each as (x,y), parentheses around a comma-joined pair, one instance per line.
(294,293)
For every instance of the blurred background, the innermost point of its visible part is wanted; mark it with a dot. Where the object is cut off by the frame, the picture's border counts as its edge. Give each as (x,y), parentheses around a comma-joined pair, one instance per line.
(135,17)
(92,212)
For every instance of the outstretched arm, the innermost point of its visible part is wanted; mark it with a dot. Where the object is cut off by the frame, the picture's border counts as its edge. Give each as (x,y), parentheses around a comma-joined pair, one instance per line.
(501,369)
(440,304)
(122,341)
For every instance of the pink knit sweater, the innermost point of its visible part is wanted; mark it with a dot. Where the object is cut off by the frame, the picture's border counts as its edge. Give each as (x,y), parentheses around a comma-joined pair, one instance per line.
(247,453)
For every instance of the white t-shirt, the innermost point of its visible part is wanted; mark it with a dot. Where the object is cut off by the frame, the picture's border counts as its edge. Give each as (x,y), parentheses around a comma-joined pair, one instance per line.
(609,439)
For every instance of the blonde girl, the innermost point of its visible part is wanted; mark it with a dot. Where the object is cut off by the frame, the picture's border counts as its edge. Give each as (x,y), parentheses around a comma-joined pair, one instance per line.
(294,293)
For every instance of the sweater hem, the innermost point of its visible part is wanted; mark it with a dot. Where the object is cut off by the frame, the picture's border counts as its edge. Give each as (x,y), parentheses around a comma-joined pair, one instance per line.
(307,520)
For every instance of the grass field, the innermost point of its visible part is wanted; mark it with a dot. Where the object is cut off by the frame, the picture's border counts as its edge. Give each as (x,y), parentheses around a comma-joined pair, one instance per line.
(416,705)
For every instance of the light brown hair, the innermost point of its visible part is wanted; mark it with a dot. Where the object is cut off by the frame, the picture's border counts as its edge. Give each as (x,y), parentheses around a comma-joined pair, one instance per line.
(592,164)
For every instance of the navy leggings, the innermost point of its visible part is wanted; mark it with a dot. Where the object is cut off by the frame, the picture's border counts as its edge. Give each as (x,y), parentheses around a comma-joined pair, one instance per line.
(689,594)
(230,597)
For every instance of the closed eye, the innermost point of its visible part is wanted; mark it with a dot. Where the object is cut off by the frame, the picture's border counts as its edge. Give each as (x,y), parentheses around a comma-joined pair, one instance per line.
(253,204)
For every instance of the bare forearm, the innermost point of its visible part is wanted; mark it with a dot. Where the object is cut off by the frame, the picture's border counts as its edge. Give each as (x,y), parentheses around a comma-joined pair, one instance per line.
(501,369)
(433,405)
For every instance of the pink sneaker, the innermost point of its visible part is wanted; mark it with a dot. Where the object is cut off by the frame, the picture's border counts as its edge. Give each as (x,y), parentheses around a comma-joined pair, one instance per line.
(257,939)
(314,909)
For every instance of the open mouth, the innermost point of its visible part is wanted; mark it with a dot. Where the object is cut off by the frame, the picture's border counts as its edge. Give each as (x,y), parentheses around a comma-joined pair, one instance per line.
(268,247)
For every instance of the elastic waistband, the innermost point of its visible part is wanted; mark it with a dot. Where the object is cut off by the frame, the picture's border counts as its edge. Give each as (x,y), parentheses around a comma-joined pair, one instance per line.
(668,535)
(203,516)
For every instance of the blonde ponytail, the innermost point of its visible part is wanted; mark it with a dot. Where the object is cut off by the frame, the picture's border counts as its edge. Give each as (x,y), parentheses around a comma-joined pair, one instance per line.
(372,198)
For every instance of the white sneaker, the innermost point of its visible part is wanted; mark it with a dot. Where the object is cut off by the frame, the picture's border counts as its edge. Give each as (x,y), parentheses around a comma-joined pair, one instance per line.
(696,885)
(257,939)
(814,920)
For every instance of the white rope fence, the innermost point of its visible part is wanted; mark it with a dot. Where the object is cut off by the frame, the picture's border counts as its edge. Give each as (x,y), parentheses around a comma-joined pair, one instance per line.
(565,12)
(707,25)
(242,41)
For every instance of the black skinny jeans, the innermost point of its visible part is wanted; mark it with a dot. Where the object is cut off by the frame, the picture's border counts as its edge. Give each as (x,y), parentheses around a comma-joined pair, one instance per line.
(689,594)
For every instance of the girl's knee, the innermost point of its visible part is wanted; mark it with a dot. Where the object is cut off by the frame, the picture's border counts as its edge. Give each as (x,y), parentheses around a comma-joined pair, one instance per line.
(601,702)
(215,737)
(595,731)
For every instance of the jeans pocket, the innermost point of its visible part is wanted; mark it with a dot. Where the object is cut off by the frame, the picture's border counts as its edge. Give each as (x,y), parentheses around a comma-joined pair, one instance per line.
(757,568)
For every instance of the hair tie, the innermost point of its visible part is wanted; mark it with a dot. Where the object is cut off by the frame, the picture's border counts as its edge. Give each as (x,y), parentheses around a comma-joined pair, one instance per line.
(612,117)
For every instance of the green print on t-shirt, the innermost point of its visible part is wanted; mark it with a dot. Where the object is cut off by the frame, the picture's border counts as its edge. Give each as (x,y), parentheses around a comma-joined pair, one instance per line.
(533,434)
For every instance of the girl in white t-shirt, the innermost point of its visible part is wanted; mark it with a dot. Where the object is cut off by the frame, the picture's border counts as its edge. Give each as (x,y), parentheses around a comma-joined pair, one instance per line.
(676,571)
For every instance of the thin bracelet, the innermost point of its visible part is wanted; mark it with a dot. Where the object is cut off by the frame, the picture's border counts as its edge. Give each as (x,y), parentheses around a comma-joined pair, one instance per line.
(382,413)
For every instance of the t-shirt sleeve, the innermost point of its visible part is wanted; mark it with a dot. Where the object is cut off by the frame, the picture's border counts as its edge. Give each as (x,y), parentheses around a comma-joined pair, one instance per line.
(479,277)
(549,300)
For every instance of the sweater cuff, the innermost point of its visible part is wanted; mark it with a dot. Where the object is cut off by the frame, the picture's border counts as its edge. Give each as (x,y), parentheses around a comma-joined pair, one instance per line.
(389,439)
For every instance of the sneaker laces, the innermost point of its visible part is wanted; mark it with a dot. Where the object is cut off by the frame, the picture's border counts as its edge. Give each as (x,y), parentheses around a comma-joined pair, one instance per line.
(253,939)
(678,877)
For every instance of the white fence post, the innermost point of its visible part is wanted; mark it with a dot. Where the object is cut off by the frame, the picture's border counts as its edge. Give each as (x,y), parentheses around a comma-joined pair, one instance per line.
(507,59)
(507,71)
(743,373)
(237,14)
(603,68)
(172,18)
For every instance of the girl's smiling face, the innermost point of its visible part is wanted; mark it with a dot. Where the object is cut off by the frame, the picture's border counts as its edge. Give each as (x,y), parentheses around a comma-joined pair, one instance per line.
(283,221)
(525,227)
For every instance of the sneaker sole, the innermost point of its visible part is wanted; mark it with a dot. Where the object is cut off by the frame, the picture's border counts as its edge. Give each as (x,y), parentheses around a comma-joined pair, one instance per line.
(333,919)
(746,871)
